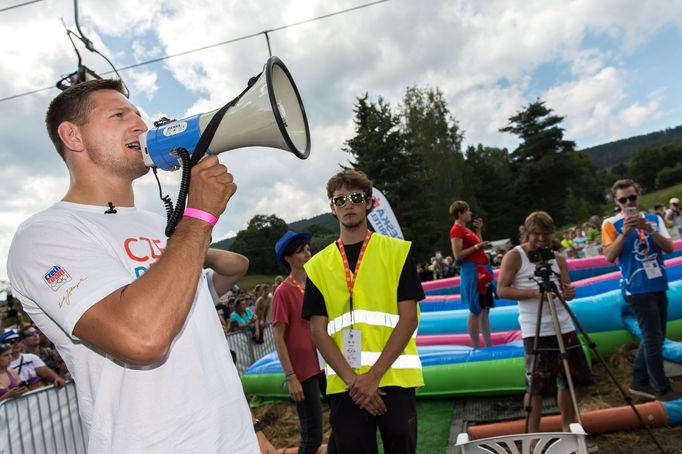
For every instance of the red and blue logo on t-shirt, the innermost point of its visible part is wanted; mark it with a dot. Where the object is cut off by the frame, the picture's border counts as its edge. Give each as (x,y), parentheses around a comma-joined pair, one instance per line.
(56,277)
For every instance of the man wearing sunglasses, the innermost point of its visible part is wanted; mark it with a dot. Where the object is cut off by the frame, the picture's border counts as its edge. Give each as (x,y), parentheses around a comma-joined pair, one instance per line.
(638,240)
(361,298)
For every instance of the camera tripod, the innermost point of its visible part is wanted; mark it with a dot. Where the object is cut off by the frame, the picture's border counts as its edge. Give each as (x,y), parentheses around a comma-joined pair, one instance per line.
(548,293)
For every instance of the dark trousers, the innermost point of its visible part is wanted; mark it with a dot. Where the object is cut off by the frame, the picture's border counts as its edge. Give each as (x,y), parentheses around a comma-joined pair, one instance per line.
(354,430)
(310,414)
(651,312)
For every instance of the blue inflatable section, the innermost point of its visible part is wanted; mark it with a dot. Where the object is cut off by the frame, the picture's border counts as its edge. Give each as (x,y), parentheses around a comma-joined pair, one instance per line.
(674,274)
(596,313)
(433,355)
(453,305)
(674,410)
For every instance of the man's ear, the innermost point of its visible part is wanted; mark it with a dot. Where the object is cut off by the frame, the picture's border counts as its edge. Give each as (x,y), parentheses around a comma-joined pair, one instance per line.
(71,136)
(369,204)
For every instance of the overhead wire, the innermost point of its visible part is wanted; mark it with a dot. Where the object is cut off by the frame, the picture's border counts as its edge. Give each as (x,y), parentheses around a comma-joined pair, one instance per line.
(19,5)
(210,46)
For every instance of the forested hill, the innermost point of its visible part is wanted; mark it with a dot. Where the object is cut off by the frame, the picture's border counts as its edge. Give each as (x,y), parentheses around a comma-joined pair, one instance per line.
(610,154)
(325,220)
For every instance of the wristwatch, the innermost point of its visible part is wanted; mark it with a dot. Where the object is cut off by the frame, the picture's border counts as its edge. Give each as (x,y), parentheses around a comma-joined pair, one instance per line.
(258,426)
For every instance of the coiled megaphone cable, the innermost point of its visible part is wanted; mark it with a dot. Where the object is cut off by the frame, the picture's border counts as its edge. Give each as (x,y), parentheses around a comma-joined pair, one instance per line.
(187,162)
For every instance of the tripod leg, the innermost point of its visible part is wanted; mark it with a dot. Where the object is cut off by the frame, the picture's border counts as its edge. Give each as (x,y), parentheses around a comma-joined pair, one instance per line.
(564,358)
(602,361)
(528,401)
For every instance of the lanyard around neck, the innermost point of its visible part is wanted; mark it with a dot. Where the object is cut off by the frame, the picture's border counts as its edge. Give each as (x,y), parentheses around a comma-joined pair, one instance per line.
(643,241)
(350,279)
(296,284)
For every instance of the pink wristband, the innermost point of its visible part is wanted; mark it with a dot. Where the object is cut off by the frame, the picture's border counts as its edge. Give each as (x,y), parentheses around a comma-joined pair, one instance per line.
(200,214)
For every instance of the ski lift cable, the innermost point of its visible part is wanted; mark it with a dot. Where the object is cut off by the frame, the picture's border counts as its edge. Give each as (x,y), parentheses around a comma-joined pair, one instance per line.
(198,49)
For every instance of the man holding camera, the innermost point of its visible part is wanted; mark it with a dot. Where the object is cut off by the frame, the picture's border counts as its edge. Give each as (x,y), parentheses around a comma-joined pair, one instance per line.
(517,281)
(638,240)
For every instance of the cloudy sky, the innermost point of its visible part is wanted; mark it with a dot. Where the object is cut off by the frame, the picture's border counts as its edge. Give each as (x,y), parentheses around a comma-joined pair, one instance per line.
(612,67)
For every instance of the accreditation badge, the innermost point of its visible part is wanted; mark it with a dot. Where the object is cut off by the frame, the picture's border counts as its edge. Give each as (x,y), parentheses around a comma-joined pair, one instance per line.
(652,269)
(352,347)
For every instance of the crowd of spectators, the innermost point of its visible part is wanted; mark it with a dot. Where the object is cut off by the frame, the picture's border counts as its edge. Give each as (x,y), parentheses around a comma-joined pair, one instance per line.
(240,310)
(28,358)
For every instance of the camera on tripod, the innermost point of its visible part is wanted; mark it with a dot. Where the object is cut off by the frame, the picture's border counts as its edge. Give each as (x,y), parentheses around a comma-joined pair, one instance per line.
(541,255)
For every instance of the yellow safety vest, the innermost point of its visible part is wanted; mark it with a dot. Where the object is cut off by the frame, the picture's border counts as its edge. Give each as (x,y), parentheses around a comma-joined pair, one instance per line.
(375,309)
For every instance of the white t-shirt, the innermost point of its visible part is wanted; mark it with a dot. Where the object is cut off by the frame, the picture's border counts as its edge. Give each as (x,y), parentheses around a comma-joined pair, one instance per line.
(528,309)
(26,365)
(676,218)
(67,258)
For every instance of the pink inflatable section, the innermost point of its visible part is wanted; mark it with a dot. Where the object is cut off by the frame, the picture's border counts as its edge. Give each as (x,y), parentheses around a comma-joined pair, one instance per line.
(498,337)
(573,264)
(581,283)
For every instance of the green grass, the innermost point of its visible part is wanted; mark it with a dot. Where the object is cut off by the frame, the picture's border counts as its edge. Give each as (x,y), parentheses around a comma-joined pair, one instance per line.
(661,196)
(249,281)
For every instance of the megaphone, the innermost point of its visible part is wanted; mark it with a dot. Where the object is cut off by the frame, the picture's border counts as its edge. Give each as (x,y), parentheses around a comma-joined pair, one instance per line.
(269,113)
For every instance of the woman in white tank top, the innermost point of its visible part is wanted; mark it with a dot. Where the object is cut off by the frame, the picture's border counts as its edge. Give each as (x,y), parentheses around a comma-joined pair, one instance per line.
(517,281)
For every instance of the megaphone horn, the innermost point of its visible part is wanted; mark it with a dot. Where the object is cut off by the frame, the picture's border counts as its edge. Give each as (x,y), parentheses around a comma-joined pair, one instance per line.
(269,113)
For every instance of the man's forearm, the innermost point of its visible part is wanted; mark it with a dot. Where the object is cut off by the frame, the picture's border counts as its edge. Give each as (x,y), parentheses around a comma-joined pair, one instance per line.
(332,355)
(666,244)
(613,250)
(158,302)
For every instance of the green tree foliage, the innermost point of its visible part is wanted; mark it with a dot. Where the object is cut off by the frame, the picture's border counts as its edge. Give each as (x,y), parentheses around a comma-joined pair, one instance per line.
(539,132)
(550,174)
(257,242)
(669,176)
(415,158)
(491,170)
(646,163)
(434,146)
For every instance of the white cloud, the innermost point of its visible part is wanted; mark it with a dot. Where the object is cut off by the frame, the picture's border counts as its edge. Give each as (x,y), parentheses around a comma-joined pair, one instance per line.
(635,114)
(144,82)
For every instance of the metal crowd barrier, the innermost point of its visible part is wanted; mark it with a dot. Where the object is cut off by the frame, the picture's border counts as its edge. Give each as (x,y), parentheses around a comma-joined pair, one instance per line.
(44,421)
(247,351)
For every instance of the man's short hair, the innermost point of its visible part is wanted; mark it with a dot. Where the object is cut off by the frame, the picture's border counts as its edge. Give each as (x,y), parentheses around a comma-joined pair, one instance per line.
(351,179)
(539,222)
(458,207)
(73,104)
(624,184)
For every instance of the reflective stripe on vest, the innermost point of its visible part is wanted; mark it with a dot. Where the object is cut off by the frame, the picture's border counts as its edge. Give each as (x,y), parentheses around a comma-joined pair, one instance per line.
(373,318)
(370,358)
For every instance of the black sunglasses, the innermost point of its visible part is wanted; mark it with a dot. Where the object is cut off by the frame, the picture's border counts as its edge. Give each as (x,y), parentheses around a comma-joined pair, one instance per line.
(631,198)
(355,198)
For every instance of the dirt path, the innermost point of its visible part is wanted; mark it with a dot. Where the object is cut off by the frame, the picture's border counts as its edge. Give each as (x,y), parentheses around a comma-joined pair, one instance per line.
(282,427)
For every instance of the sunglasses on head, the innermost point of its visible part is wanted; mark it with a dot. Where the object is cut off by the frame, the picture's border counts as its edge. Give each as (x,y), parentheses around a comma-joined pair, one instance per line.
(355,198)
(631,198)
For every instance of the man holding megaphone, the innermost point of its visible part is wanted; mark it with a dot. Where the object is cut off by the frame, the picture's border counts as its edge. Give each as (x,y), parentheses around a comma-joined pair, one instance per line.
(143,343)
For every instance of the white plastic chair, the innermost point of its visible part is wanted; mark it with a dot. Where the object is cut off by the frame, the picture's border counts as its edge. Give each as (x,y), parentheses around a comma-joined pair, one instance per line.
(547,443)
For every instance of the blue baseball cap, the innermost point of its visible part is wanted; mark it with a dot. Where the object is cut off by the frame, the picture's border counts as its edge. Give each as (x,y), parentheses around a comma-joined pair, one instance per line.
(286,239)
(9,335)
